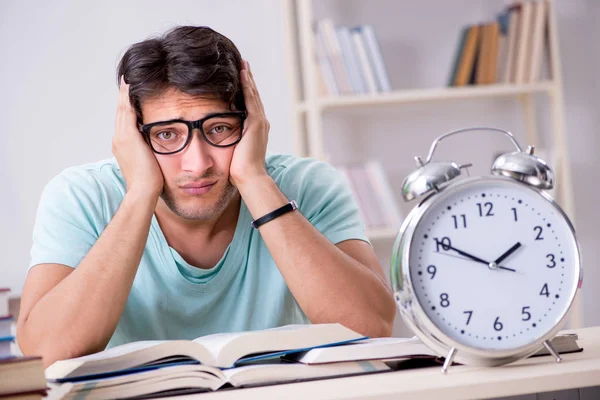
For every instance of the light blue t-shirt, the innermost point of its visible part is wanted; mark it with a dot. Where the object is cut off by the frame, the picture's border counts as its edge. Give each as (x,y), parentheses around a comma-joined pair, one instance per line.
(170,299)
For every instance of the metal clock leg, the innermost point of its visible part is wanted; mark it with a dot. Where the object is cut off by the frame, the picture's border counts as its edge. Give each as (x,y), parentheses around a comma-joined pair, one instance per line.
(448,361)
(552,350)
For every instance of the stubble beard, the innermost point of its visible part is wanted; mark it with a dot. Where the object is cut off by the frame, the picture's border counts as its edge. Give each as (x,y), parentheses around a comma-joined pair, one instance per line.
(204,213)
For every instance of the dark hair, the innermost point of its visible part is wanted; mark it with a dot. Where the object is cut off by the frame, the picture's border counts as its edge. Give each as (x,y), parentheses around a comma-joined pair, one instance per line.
(195,60)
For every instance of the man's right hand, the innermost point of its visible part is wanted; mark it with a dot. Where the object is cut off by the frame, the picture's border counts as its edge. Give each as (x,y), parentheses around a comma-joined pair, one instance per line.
(136,160)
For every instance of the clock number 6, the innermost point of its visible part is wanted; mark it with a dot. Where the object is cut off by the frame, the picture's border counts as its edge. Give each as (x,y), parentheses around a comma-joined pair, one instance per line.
(498,325)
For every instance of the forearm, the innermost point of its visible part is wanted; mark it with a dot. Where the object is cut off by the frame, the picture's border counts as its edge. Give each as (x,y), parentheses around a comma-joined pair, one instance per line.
(329,285)
(79,315)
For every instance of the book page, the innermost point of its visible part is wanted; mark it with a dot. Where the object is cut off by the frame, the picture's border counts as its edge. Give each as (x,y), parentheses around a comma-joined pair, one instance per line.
(120,350)
(272,373)
(216,342)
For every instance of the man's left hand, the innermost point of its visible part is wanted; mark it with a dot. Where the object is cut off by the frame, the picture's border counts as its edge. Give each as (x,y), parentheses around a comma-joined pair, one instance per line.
(248,159)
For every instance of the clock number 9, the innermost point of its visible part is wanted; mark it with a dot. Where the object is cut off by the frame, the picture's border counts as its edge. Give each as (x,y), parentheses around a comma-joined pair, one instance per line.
(432,270)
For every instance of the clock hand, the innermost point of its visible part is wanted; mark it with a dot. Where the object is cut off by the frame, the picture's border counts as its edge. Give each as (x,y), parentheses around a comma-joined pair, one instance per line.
(467,259)
(462,253)
(508,253)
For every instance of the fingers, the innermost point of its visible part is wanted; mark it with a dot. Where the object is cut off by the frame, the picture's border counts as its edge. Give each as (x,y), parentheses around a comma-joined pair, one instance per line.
(251,96)
(125,112)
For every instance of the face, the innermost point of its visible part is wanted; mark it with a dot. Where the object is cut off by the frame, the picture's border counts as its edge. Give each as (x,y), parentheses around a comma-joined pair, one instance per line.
(186,173)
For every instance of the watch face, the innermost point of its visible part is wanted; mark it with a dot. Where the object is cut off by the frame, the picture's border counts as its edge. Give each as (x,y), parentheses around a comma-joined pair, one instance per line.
(494,264)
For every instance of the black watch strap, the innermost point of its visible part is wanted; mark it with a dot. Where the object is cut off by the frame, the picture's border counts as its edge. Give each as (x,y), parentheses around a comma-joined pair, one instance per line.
(291,206)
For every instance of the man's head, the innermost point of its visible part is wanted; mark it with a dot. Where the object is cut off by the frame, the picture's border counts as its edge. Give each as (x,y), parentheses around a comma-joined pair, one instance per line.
(186,74)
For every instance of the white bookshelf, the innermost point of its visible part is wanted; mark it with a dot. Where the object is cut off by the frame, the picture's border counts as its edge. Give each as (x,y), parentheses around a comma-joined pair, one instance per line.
(310,107)
(419,95)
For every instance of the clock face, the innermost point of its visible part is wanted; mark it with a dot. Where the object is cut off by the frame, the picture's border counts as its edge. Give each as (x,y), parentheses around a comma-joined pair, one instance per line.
(494,264)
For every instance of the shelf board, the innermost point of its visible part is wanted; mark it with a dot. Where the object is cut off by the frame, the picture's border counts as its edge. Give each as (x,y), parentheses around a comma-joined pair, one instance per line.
(381,233)
(436,94)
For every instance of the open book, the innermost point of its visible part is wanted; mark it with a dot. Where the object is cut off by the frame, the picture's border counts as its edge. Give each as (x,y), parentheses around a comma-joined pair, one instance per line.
(183,379)
(222,350)
(394,348)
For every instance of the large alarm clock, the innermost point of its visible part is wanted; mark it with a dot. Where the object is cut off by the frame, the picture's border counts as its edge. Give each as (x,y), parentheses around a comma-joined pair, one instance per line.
(484,269)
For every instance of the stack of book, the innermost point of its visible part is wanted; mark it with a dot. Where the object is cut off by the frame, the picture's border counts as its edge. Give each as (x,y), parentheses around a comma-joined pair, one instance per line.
(371,189)
(6,321)
(510,49)
(349,59)
(22,378)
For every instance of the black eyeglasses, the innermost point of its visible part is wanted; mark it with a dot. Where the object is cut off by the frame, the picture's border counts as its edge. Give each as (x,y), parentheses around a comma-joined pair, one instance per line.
(219,130)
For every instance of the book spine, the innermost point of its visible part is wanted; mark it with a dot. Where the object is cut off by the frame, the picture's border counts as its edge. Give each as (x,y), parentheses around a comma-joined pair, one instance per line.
(367,194)
(537,41)
(350,59)
(325,63)
(4,301)
(365,65)
(376,57)
(385,195)
(494,37)
(345,171)
(513,32)
(458,54)
(523,46)
(467,58)
(335,53)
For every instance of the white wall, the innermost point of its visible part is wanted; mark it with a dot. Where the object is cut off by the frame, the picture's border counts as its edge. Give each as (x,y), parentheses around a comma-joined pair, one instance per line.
(59,95)
(58,98)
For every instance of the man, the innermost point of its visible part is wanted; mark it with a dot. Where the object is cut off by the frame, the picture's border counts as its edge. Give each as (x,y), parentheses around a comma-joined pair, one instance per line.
(157,243)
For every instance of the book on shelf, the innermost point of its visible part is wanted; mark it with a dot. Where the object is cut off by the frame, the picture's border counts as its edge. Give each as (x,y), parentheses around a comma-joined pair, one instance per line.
(22,377)
(6,325)
(4,293)
(512,48)
(399,348)
(221,350)
(6,345)
(194,378)
(349,59)
(372,192)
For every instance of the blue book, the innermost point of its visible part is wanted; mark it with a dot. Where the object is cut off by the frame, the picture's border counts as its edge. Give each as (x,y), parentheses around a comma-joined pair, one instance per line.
(5,325)
(221,350)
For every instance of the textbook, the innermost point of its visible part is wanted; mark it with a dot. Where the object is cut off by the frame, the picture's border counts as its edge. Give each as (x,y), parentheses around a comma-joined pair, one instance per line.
(221,350)
(21,376)
(185,379)
(394,348)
